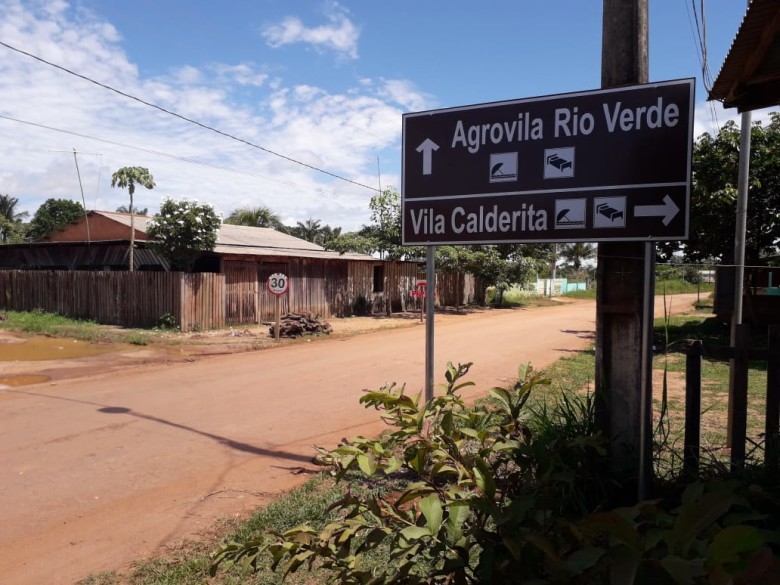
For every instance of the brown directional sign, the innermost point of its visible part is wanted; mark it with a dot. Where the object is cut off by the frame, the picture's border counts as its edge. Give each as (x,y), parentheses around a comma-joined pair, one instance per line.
(591,166)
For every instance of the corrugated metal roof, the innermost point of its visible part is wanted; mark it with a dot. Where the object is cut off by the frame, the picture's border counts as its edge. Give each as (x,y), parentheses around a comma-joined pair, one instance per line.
(252,241)
(750,76)
(230,235)
(297,252)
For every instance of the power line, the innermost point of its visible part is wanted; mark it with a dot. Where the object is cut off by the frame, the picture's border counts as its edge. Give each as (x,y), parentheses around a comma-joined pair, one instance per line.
(699,33)
(184,159)
(185,118)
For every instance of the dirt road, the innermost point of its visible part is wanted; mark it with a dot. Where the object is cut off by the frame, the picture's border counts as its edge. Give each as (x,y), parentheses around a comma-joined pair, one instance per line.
(103,470)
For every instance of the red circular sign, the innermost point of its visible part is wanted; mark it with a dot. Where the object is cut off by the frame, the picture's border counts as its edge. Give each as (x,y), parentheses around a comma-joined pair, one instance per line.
(278,283)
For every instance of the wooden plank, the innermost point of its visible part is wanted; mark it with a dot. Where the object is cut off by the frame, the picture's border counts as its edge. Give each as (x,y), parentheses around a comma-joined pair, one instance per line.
(692,440)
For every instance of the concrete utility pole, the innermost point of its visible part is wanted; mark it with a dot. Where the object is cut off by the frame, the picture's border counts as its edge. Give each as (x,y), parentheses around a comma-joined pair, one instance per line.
(625,276)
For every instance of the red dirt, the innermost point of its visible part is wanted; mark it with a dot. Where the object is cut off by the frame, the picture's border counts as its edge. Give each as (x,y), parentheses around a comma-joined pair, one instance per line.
(124,454)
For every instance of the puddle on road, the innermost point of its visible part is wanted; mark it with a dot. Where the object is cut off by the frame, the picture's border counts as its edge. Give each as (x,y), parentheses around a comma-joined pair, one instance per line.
(51,348)
(22,380)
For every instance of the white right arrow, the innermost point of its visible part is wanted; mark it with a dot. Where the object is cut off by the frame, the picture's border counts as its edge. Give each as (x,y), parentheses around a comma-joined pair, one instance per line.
(427,148)
(668,210)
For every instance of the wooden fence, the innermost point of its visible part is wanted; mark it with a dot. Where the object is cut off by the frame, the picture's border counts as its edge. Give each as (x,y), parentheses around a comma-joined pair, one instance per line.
(236,296)
(201,301)
(129,299)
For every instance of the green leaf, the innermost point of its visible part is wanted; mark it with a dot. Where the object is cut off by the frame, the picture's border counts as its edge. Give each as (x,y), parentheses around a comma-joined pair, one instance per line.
(414,533)
(614,525)
(469,432)
(367,463)
(694,517)
(731,542)
(458,513)
(484,478)
(583,558)
(392,465)
(414,491)
(432,509)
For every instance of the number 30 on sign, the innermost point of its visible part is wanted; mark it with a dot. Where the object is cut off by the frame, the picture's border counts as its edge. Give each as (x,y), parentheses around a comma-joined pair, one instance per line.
(278,284)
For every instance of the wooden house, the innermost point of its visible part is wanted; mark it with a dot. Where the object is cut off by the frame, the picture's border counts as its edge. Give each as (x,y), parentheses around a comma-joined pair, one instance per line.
(321,281)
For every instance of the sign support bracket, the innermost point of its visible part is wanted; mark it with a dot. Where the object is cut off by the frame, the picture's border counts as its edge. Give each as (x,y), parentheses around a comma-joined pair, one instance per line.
(430,300)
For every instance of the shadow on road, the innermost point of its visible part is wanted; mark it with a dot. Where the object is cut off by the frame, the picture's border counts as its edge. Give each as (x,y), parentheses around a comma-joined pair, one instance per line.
(237,445)
(582,334)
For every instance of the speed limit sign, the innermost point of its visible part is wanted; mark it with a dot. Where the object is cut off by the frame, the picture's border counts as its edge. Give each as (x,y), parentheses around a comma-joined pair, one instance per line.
(278,283)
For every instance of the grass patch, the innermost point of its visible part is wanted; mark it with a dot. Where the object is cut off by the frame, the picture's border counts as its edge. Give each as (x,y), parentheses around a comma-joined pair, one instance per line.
(677,286)
(715,379)
(42,323)
(588,294)
(189,563)
(515,298)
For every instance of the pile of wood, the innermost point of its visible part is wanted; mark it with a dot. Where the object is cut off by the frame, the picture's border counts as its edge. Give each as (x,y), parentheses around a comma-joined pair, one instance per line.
(293,325)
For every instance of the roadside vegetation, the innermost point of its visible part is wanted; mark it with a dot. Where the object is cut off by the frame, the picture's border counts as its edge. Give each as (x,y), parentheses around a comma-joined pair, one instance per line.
(509,489)
(41,322)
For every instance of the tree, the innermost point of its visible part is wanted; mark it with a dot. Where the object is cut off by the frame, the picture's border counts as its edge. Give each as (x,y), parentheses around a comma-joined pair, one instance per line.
(182,231)
(713,197)
(52,215)
(308,230)
(11,227)
(504,265)
(352,242)
(575,255)
(125,209)
(255,217)
(127,178)
(327,236)
(386,224)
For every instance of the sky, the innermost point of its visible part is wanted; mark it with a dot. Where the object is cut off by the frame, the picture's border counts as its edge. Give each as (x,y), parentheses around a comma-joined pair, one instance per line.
(298,104)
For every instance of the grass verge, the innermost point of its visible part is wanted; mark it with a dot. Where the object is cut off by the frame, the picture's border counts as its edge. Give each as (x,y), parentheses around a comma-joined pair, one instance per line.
(40,322)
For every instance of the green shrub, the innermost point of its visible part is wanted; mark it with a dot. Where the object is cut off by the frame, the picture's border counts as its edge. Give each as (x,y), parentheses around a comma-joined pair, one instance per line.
(503,493)
(167,321)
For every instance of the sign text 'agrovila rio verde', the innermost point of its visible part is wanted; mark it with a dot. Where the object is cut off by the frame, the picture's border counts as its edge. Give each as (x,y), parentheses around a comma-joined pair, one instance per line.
(590,166)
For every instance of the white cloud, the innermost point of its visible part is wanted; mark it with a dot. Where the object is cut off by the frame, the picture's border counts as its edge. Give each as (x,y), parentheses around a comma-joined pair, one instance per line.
(709,117)
(343,132)
(404,92)
(340,35)
(242,74)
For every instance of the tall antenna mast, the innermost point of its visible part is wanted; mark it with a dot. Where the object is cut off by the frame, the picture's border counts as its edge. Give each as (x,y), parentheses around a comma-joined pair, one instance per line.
(81,186)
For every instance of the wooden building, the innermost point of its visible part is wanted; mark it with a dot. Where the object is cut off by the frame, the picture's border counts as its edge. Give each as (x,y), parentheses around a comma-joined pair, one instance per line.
(321,281)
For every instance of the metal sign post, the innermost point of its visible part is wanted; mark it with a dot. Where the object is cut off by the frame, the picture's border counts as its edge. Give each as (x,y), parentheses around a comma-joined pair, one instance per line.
(278,285)
(430,299)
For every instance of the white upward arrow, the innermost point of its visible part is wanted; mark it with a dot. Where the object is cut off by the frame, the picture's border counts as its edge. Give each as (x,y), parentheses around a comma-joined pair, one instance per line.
(668,210)
(427,148)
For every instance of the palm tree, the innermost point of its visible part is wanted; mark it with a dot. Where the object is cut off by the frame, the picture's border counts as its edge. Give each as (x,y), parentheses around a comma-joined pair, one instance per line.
(9,215)
(327,236)
(8,209)
(308,230)
(125,209)
(255,217)
(127,178)
(575,254)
